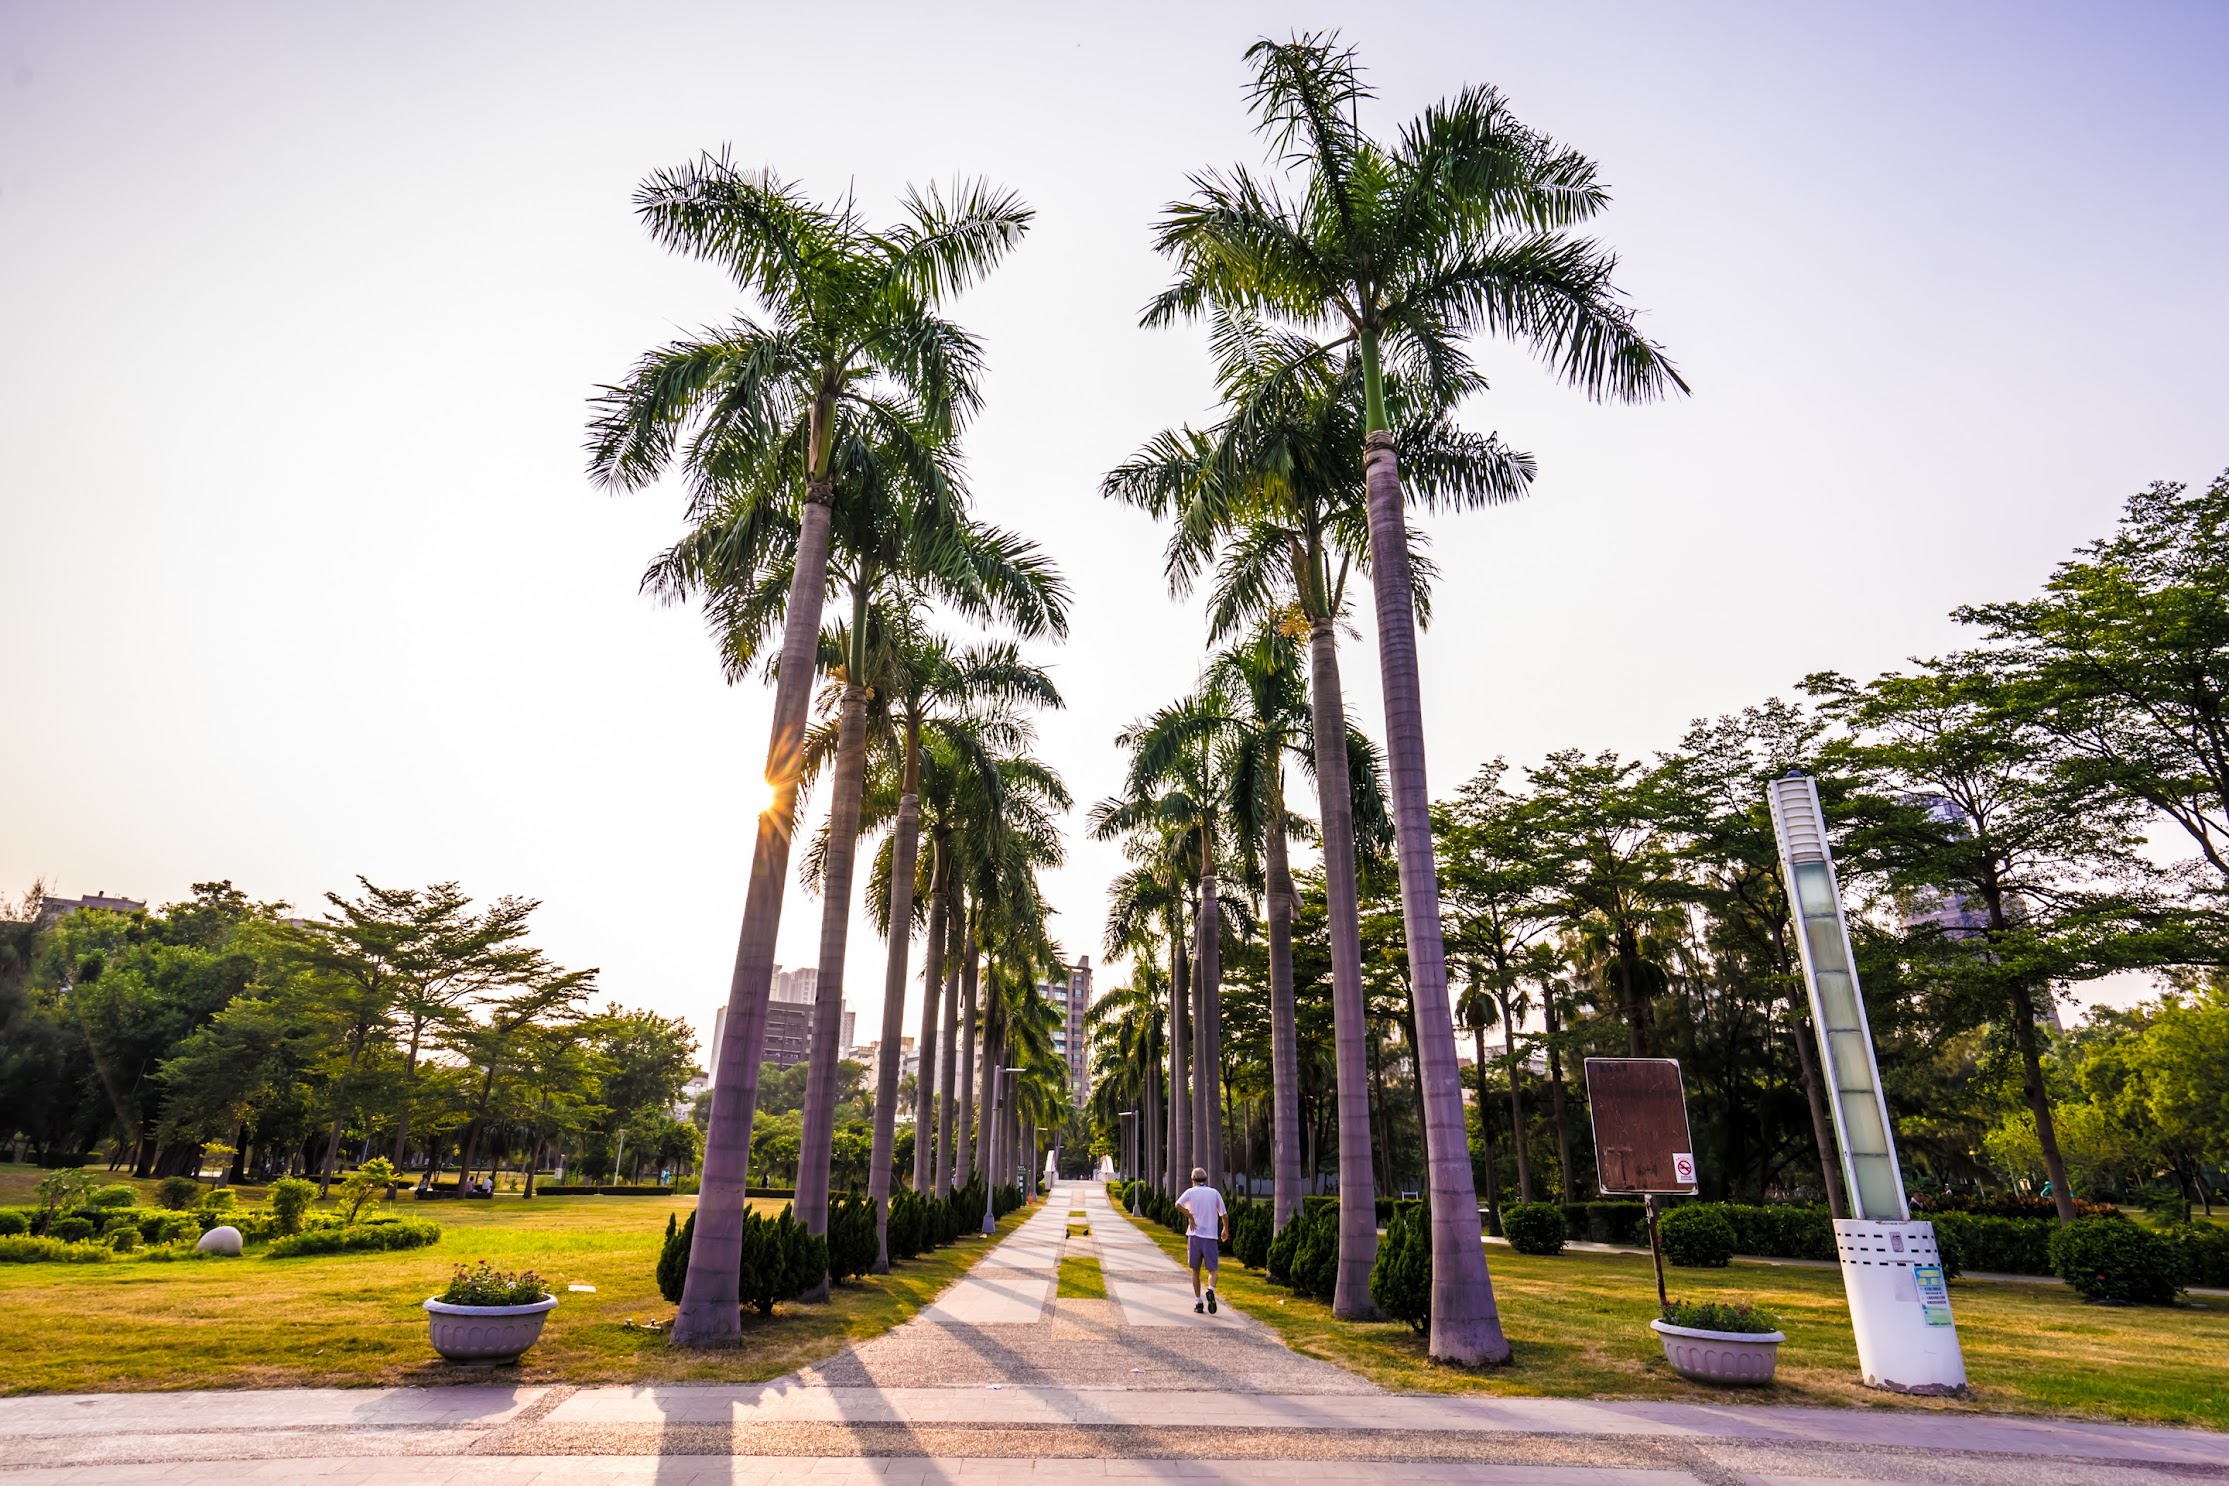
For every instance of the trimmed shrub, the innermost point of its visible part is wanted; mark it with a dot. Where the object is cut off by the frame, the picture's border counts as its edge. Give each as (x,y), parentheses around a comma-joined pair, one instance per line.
(2113,1259)
(123,1239)
(290,1200)
(673,1257)
(70,1230)
(1277,1260)
(1696,1236)
(1250,1232)
(114,1195)
(1401,1276)
(1315,1261)
(23,1249)
(1534,1227)
(1927,1205)
(356,1238)
(178,1192)
(852,1244)
(221,1200)
(13,1223)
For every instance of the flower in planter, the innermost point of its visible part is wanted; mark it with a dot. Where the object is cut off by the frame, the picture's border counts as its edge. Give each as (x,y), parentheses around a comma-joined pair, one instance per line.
(486,1285)
(1712,1315)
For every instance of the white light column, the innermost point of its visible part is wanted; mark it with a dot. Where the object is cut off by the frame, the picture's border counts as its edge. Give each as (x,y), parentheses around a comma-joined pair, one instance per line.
(1891,1270)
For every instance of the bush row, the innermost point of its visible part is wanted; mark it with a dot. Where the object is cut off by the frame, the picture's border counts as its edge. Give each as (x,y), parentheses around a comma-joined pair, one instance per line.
(372,1236)
(781,1260)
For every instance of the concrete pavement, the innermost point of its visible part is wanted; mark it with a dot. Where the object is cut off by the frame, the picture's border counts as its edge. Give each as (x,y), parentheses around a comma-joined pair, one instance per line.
(1000,1380)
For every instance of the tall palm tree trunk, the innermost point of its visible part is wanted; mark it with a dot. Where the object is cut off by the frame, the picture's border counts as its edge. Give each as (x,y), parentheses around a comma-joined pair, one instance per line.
(904,849)
(1284,1036)
(1151,1167)
(816,1142)
(1466,1324)
(1180,1053)
(711,1314)
(952,1078)
(1358,1192)
(1207,1058)
(961,1141)
(932,987)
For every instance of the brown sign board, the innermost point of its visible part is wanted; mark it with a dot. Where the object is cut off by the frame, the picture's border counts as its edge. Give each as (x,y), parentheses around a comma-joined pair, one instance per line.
(1641,1144)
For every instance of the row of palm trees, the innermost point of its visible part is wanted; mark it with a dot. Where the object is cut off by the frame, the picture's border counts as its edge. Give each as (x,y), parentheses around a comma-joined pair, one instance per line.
(819,435)
(1340,290)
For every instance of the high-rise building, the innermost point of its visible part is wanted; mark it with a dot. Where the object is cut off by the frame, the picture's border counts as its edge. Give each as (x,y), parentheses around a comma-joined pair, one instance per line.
(1072,998)
(789,1023)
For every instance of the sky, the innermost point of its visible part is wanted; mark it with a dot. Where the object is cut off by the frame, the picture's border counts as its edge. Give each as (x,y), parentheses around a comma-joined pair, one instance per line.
(301,309)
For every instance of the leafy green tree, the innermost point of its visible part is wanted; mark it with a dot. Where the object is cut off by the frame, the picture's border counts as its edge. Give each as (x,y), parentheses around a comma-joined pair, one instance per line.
(1459,227)
(2124,661)
(2016,877)
(852,349)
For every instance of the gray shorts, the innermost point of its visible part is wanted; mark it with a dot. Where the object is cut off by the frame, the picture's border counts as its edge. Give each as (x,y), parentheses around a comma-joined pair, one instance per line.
(1201,1252)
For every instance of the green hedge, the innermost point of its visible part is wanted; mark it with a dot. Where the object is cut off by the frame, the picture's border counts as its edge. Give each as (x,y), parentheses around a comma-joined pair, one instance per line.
(23,1249)
(1605,1222)
(357,1238)
(2205,1249)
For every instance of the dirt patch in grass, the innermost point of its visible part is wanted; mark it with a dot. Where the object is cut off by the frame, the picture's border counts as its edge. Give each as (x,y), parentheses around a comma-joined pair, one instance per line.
(1578,1325)
(354,1319)
(1080,1278)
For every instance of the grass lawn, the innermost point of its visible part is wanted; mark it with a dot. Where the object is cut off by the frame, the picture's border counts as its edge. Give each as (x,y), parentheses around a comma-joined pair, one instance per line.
(1578,1324)
(353,1319)
(1080,1278)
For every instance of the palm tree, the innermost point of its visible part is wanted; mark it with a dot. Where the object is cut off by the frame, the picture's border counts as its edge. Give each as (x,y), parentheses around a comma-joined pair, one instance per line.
(924,689)
(1274,498)
(1458,228)
(1128,1027)
(852,341)
(1147,908)
(1187,762)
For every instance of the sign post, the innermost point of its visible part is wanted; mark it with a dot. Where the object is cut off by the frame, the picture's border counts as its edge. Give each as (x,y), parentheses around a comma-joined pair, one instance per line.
(1891,1269)
(1641,1142)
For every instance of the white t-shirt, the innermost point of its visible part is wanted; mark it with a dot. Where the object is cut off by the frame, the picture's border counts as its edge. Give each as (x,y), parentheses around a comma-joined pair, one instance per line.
(1205,1206)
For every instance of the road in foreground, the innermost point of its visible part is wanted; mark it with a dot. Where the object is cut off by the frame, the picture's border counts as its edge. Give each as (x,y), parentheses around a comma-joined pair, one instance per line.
(999,1379)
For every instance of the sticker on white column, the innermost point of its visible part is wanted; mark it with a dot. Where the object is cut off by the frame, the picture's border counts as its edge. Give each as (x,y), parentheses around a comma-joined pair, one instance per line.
(1683,1168)
(1934,1295)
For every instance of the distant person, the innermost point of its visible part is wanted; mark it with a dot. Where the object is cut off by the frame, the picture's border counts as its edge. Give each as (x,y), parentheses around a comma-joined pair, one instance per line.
(1208,1223)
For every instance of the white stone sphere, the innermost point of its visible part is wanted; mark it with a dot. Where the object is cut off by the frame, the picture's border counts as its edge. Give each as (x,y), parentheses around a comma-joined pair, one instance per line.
(224,1240)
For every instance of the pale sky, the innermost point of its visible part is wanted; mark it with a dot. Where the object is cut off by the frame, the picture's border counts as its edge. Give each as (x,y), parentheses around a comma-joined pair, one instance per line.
(300,309)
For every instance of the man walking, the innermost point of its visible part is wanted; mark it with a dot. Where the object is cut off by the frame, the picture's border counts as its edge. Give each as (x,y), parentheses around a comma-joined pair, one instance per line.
(1208,1223)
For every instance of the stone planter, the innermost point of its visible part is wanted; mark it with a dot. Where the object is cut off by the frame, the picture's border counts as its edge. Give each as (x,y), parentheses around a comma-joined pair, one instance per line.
(1720,1356)
(486,1333)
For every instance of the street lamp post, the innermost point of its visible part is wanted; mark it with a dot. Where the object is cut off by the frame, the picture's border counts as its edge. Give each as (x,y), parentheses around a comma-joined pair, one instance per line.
(1891,1269)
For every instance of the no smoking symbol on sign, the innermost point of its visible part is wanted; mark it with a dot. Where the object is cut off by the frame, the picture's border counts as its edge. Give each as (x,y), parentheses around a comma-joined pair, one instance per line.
(1683,1168)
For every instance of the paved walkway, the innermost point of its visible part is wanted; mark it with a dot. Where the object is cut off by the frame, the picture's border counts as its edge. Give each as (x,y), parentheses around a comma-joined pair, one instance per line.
(1001,1380)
